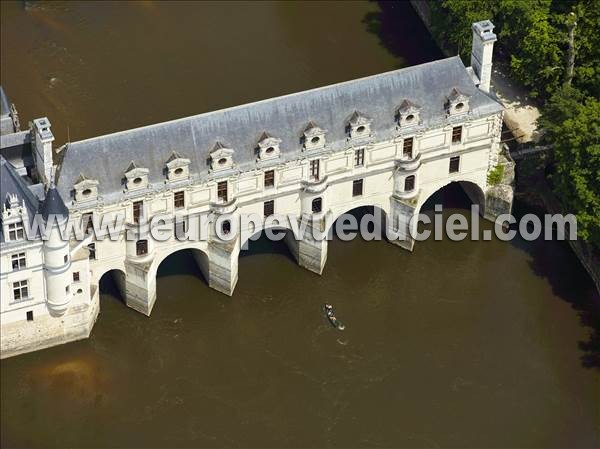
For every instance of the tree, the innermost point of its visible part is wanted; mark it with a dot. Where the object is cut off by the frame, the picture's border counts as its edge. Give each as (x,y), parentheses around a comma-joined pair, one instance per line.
(571,121)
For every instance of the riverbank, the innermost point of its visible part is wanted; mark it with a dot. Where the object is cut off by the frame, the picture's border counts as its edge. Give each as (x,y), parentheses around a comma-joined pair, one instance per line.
(520,118)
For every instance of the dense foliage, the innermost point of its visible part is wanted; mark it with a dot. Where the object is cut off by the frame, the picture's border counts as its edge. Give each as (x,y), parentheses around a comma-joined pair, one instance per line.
(536,44)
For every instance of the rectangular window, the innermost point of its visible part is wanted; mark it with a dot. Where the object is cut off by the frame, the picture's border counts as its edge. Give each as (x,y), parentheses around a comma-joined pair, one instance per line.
(314,169)
(409,183)
(15,231)
(270,178)
(138,208)
(66,258)
(76,276)
(269,208)
(317,205)
(359,157)
(222,191)
(179,200)
(30,315)
(457,134)
(407,147)
(454,164)
(141,247)
(20,290)
(67,289)
(92,251)
(87,222)
(18,261)
(357,187)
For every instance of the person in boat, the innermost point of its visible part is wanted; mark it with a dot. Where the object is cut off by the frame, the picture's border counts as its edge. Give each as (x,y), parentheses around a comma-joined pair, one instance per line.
(328,306)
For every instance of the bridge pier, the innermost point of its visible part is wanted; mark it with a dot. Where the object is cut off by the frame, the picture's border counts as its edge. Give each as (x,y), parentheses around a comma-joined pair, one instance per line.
(140,288)
(221,267)
(398,226)
(310,253)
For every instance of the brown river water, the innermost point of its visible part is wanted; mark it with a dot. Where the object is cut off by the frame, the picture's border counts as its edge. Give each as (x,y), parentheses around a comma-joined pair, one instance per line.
(458,344)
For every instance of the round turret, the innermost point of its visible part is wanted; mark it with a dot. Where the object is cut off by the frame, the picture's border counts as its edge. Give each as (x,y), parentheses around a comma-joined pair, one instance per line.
(57,260)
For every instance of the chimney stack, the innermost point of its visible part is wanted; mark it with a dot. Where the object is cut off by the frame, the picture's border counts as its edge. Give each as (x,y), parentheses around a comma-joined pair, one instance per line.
(482,52)
(43,148)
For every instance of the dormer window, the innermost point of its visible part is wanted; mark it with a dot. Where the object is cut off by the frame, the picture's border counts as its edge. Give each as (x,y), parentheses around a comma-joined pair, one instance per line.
(359,126)
(458,103)
(221,157)
(314,137)
(268,147)
(136,177)
(14,218)
(86,189)
(408,114)
(177,167)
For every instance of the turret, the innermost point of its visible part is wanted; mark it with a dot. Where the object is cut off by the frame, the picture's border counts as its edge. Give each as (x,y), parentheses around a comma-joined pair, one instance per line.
(57,260)
(482,52)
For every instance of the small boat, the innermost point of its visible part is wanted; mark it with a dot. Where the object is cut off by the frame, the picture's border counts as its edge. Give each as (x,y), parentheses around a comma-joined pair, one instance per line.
(328,309)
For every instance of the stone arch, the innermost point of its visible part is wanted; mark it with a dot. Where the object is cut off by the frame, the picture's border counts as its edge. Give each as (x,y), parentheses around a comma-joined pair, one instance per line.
(473,190)
(119,278)
(335,214)
(200,253)
(261,229)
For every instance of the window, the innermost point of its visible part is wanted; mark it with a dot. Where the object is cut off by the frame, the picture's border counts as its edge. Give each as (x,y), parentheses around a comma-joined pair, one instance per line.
(270,178)
(179,199)
(92,250)
(76,276)
(87,222)
(314,169)
(409,183)
(222,191)
(67,289)
(454,164)
(407,147)
(141,247)
(15,231)
(457,134)
(18,261)
(138,207)
(226,227)
(269,208)
(66,258)
(317,205)
(359,157)
(29,315)
(357,187)
(20,290)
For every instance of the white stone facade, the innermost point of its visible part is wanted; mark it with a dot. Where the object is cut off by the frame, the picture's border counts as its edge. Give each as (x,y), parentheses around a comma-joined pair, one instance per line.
(399,169)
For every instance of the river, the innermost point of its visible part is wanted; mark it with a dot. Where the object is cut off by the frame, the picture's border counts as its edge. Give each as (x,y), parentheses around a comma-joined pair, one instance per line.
(458,344)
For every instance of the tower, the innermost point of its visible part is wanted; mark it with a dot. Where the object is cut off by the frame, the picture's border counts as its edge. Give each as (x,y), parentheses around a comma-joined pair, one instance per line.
(57,260)
(482,52)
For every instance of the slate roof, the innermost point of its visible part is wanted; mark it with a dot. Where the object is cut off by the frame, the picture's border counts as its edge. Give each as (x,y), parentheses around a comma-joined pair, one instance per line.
(240,128)
(53,205)
(11,182)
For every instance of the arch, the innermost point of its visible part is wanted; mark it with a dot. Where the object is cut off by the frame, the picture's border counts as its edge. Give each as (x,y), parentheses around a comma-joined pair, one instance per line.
(335,215)
(260,229)
(471,188)
(117,275)
(200,255)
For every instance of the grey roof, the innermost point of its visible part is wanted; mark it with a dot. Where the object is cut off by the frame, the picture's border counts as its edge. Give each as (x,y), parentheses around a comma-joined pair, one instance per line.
(12,183)
(104,158)
(4,104)
(53,204)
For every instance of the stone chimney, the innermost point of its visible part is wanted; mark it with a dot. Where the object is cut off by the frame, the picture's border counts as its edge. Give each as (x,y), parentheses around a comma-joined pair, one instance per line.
(482,52)
(42,154)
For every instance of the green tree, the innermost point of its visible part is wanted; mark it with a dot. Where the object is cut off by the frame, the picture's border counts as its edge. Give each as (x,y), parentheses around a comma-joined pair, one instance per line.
(571,122)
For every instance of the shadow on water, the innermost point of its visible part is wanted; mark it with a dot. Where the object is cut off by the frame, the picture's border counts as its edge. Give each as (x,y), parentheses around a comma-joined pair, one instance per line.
(261,244)
(396,24)
(555,262)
